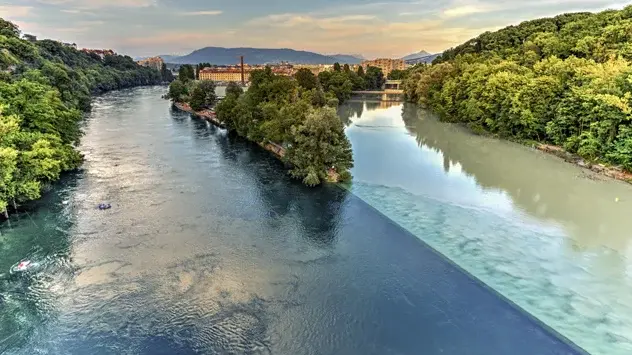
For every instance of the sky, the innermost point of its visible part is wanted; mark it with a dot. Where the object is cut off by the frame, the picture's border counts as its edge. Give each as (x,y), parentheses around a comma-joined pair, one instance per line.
(372,28)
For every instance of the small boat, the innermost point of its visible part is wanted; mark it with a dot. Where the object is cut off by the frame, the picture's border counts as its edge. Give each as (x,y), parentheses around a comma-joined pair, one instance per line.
(22,266)
(105,206)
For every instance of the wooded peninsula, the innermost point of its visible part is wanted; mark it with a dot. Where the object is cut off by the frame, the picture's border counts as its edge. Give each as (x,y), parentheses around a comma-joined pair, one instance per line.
(296,113)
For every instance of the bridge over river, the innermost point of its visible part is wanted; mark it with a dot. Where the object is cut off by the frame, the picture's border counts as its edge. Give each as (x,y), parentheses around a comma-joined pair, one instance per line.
(391,91)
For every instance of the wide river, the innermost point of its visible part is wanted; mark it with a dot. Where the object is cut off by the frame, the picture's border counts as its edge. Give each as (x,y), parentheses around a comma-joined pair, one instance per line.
(209,248)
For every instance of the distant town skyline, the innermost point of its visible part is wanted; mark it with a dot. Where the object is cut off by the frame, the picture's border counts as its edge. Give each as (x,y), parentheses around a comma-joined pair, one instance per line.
(373,29)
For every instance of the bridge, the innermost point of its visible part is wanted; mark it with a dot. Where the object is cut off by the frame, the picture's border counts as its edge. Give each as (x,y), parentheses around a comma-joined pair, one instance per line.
(390,90)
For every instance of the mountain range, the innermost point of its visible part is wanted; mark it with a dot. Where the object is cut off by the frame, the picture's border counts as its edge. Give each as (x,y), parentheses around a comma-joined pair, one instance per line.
(417,55)
(229,56)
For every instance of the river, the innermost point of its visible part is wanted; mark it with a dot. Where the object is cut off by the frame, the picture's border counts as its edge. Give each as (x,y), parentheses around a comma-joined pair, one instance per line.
(210,248)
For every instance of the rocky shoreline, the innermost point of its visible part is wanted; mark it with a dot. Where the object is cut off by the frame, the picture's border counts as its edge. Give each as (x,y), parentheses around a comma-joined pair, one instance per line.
(612,172)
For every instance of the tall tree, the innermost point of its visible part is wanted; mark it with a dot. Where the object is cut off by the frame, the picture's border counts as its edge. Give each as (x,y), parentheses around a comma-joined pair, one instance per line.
(234,89)
(306,79)
(337,67)
(186,72)
(203,95)
(374,78)
(177,91)
(310,158)
(166,73)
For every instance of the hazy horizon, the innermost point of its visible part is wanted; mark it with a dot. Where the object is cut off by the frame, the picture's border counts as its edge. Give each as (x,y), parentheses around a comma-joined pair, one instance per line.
(372,29)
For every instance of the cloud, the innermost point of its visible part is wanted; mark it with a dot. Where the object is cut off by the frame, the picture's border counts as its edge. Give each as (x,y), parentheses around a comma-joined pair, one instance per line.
(175,38)
(11,11)
(293,20)
(97,4)
(202,13)
(71,11)
(467,10)
(364,33)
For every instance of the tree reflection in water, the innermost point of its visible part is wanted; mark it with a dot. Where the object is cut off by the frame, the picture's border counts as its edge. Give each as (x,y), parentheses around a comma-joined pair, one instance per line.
(318,209)
(539,184)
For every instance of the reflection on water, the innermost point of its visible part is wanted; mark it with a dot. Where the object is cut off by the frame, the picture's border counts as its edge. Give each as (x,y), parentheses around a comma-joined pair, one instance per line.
(545,233)
(209,248)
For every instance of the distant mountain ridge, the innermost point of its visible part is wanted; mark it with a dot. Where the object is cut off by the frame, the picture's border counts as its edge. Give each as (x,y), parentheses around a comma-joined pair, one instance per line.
(417,55)
(420,57)
(229,56)
(348,58)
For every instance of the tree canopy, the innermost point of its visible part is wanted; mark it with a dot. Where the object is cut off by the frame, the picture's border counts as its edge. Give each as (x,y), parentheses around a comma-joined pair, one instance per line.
(561,80)
(186,72)
(303,120)
(306,79)
(44,87)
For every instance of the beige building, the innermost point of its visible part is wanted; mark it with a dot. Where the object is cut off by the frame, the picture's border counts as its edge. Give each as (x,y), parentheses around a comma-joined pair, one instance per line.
(314,68)
(223,74)
(387,65)
(153,62)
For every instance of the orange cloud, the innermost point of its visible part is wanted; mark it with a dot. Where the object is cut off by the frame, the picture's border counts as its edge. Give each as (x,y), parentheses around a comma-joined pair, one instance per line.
(15,11)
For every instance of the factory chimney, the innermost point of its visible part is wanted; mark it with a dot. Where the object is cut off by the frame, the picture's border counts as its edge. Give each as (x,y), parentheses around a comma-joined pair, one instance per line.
(243,73)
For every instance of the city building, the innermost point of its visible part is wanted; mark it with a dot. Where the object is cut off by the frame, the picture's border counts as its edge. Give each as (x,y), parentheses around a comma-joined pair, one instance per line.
(153,62)
(225,74)
(387,65)
(30,38)
(314,68)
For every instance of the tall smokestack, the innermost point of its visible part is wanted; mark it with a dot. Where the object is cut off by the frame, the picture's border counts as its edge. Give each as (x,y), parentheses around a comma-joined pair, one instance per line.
(243,73)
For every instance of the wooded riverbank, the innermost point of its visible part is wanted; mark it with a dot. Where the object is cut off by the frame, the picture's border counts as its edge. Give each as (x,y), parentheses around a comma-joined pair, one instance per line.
(296,123)
(276,149)
(562,82)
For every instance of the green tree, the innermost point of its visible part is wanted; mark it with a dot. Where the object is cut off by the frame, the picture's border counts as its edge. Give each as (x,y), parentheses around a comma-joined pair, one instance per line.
(177,91)
(186,73)
(337,67)
(234,89)
(166,74)
(306,79)
(397,74)
(9,29)
(346,68)
(374,78)
(360,71)
(308,155)
(340,85)
(203,95)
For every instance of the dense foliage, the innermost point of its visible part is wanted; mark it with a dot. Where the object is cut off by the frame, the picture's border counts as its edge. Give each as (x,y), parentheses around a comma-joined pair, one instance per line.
(199,94)
(186,72)
(302,119)
(297,113)
(44,87)
(565,80)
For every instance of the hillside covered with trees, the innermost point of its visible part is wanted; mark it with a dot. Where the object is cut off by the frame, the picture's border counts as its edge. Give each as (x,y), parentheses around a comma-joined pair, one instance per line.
(44,88)
(565,81)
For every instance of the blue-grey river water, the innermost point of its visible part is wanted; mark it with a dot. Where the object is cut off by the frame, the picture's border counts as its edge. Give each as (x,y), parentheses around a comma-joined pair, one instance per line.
(209,248)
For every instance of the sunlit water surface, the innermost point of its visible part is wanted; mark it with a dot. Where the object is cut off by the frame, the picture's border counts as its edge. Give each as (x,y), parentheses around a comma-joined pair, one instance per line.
(209,248)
